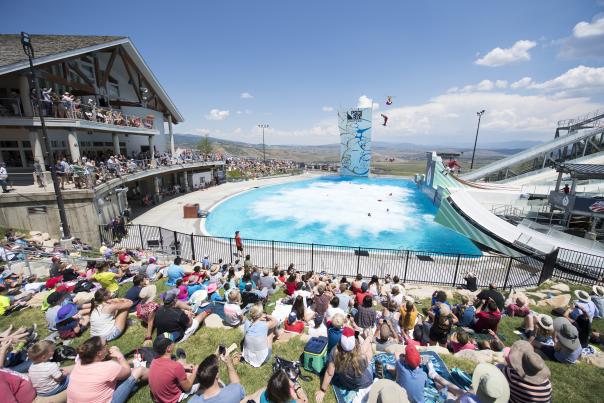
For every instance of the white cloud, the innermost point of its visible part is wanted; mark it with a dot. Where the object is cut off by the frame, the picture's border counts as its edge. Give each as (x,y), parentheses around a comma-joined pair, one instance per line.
(484,85)
(522,83)
(239,112)
(586,29)
(246,95)
(327,109)
(581,80)
(499,57)
(365,102)
(201,132)
(501,84)
(217,114)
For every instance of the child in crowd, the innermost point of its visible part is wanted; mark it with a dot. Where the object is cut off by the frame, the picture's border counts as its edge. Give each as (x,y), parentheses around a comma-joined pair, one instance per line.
(47,378)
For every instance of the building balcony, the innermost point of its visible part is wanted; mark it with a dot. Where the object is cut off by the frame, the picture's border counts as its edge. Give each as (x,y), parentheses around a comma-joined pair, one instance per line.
(59,114)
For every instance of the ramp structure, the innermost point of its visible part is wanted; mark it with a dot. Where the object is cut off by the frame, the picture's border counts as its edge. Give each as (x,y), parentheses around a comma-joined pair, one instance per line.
(355,141)
(574,138)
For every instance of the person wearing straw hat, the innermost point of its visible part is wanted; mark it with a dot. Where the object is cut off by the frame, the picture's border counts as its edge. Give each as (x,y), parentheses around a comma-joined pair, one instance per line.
(489,385)
(539,328)
(527,374)
(598,299)
(582,316)
(386,391)
(584,301)
(567,347)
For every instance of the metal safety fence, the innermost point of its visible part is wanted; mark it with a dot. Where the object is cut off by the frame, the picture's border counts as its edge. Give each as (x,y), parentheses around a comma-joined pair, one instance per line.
(409,265)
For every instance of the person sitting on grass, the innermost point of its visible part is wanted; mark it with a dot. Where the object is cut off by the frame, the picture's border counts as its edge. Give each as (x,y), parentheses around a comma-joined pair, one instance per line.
(527,374)
(303,312)
(461,340)
(365,316)
(318,328)
(598,299)
(465,312)
(102,375)
(259,334)
(208,377)
(567,347)
(280,389)
(334,330)
(70,323)
(233,314)
(179,323)
(108,317)
(517,304)
(410,375)
(141,292)
(168,379)
(334,307)
(539,328)
(293,325)
(46,377)
(321,299)
(348,366)
(385,335)
(582,316)
(408,317)
(443,321)
(175,272)
(107,279)
(488,316)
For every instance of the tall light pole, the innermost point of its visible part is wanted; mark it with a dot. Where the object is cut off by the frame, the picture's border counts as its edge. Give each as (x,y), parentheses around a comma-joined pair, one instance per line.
(476,139)
(29,51)
(263,126)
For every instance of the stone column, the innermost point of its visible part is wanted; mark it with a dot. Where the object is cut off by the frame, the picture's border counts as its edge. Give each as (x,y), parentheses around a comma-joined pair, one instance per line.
(170,134)
(74,145)
(116,143)
(152,146)
(156,192)
(185,181)
(24,93)
(35,138)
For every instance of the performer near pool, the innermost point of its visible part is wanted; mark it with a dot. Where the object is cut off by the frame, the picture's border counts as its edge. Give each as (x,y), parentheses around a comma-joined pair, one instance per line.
(238,244)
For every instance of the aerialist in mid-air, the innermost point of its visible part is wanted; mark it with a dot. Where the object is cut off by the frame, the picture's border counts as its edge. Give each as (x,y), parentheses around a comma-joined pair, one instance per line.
(385,119)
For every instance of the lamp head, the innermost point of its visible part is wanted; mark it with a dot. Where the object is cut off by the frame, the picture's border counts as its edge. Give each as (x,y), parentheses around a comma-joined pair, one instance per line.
(480,113)
(26,43)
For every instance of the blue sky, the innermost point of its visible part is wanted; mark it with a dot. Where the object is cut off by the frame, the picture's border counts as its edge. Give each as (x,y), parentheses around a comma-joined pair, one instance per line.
(301,61)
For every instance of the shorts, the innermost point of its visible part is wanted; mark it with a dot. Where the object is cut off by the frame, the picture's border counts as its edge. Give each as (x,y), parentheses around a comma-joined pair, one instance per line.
(114,334)
(240,248)
(549,352)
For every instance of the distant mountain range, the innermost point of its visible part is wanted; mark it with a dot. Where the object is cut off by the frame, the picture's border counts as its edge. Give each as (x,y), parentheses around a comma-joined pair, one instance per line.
(330,152)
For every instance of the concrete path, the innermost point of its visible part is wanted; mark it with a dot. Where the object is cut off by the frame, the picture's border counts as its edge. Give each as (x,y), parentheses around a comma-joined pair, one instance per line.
(169,214)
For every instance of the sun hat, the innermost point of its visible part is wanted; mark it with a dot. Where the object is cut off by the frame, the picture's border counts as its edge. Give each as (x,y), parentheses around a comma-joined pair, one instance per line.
(412,358)
(212,287)
(490,384)
(347,341)
(546,322)
(292,318)
(67,311)
(583,296)
(527,363)
(386,391)
(566,333)
(598,290)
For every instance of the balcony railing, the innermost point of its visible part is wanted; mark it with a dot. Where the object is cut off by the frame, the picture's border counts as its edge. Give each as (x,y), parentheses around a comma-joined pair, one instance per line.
(10,107)
(90,112)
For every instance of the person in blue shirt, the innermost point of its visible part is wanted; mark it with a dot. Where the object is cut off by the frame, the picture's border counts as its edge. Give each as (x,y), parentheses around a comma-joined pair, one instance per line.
(334,331)
(175,272)
(410,375)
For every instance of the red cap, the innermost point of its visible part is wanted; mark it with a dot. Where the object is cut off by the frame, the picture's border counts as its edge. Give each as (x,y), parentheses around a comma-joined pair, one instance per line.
(412,358)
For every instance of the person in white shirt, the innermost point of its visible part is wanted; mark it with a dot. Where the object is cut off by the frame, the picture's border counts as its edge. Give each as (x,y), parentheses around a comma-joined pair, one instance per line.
(233,315)
(318,329)
(3,177)
(334,307)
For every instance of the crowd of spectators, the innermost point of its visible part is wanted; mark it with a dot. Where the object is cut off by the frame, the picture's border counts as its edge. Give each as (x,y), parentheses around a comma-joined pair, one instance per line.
(248,168)
(361,321)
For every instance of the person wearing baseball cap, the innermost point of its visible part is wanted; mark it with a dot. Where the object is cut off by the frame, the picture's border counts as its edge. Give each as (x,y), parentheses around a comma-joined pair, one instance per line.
(410,375)
(567,348)
(348,365)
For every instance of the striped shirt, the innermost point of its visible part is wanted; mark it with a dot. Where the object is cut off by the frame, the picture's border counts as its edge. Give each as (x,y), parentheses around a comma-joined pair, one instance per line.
(522,391)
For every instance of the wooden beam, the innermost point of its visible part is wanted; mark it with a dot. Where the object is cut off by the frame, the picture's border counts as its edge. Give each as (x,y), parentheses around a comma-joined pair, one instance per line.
(97,74)
(65,71)
(130,76)
(79,72)
(108,68)
(60,80)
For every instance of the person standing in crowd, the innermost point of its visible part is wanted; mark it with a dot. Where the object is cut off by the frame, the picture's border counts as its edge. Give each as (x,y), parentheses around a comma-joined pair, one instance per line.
(238,244)
(3,177)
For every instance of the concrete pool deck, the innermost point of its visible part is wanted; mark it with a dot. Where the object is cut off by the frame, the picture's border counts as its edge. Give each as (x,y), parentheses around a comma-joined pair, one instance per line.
(169,214)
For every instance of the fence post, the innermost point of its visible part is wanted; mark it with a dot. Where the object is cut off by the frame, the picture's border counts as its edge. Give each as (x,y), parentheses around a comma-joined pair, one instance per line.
(192,246)
(507,275)
(358,259)
(273,253)
(456,269)
(231,248)
(176,245)
(161,239)
(406,265)
(312,257)
(140,232)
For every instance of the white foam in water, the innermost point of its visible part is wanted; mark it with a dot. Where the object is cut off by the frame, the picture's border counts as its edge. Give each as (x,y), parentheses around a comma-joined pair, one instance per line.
(344,206)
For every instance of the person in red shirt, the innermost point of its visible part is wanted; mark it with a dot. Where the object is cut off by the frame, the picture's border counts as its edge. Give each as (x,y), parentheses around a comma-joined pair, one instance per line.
(238,244)
(290,285)
(16,387)
(487,317)
(360,296)
(293,324)
(167,378)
